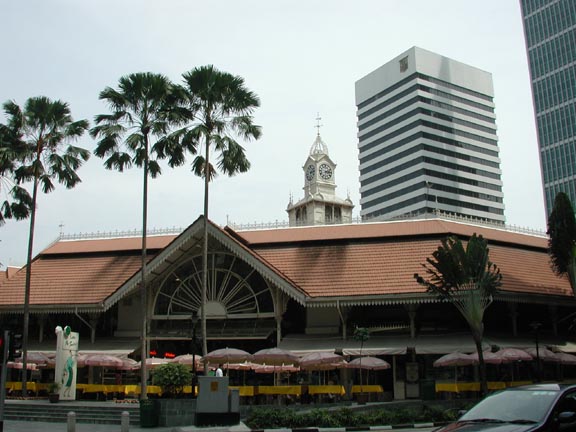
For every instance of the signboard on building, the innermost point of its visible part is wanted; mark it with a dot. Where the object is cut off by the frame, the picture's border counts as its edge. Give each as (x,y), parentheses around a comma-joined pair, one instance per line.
(66,355)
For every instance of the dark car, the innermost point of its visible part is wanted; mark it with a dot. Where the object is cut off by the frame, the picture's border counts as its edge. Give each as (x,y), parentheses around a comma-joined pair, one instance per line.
(538,407)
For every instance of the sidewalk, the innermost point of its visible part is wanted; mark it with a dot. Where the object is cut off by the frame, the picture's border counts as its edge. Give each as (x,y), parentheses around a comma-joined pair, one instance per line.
(32,426)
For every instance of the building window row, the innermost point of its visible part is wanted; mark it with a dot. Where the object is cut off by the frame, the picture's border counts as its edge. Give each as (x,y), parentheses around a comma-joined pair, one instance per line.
(424,100)
(553,55)
(423,77)
(379,174)
(557,125)
(386,91)
(441,200)
(431,149)
(456,87)
(455,98)
(559,162)
(426,112)
(567,186)
(433,174)
(556,89)
(436,138)
(530,6)
(429,197)
(549,21)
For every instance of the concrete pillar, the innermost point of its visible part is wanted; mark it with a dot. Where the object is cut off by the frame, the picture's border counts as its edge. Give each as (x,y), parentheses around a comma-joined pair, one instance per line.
(71,422)
(125,422)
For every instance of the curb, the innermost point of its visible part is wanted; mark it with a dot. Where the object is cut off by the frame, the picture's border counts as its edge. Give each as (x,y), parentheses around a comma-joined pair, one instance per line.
(355,428)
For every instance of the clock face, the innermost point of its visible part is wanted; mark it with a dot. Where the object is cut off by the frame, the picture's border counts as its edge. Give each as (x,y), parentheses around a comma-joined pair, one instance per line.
(325,171)
(310,171)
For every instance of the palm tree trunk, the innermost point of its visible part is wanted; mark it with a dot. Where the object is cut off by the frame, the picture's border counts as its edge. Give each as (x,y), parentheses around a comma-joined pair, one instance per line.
(205,251)
(481,366)
(144,293)
(26,324)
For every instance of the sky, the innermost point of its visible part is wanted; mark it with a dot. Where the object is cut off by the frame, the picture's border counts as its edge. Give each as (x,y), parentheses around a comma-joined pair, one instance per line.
(301,57)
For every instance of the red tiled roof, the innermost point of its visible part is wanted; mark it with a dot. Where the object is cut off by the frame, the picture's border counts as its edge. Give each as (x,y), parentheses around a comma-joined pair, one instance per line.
(108,245)
(73,280)
(375,230)
(373,259)
(379,268)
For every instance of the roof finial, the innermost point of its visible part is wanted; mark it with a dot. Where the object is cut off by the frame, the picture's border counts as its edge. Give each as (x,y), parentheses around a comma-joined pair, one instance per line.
(318,125)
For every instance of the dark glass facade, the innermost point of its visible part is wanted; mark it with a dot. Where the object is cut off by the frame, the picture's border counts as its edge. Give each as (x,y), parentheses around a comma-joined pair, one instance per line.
(550,31)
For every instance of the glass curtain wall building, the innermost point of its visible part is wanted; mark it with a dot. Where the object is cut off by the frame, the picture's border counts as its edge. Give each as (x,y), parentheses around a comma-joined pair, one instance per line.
(550,32)
(427,140)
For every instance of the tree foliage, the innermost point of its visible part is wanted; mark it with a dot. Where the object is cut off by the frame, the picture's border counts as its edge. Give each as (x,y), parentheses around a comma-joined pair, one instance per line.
(40,136)
(144,109)
(562,238)
(172,377)
(466,277)
(220,109)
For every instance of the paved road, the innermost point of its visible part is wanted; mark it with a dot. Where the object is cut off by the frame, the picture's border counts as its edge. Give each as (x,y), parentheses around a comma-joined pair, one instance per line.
(21,426)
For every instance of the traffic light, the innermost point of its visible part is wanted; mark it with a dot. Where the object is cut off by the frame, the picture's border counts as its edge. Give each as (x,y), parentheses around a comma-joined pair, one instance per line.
(15,346)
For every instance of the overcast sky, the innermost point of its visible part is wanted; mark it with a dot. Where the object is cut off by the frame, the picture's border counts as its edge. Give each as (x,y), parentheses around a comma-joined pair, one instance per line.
(301,57)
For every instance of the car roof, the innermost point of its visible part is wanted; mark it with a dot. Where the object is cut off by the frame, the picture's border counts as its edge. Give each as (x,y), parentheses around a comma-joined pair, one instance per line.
(545,387)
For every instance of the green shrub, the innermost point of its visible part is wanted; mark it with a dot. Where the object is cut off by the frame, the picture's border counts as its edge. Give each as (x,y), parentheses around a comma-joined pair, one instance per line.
(172,377)
(268,418)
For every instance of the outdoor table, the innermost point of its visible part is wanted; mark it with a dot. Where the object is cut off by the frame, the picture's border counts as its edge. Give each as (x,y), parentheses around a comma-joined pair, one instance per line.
(367,389)
(327,389)
(30,385)
(280,390)
(457,387)
(244,390)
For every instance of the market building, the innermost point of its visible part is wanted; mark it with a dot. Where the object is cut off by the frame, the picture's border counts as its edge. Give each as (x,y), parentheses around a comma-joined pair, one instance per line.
(300,288)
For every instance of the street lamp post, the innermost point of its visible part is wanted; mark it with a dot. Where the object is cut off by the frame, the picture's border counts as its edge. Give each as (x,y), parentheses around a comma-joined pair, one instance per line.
(536,327)
(194,320)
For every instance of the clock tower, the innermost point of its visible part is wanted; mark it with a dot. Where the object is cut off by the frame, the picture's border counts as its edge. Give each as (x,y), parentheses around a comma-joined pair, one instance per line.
(320,205)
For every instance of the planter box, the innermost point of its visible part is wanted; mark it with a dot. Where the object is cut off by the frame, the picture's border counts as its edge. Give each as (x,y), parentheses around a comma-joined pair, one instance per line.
(176,412)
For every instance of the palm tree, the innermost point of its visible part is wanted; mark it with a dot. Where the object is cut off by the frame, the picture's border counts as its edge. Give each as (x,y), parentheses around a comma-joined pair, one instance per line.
(562,240)
(42,132)
(466,278)
(220,108)
(18,202)
(142,110)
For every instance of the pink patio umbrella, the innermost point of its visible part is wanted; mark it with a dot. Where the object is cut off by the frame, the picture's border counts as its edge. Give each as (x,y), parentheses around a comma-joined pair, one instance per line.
(39,358)
(129,364)
(19,365)
(488,356)
(187,359)
(544,354)
(275,368)
(275,356)
(455,359)
(153,362)
(565,358)
(102,360)
(317,359)
(244,366)
(510,355)
(371,363)
(227,355)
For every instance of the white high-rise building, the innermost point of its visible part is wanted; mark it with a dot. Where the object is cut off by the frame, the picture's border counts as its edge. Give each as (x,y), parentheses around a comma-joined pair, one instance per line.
(427,139)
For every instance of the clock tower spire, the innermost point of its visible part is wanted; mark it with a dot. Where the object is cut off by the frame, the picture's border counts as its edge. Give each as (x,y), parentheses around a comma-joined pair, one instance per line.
(320,205)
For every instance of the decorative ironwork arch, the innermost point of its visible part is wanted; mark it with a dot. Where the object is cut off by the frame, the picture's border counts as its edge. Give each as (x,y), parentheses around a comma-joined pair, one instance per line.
(235,290)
